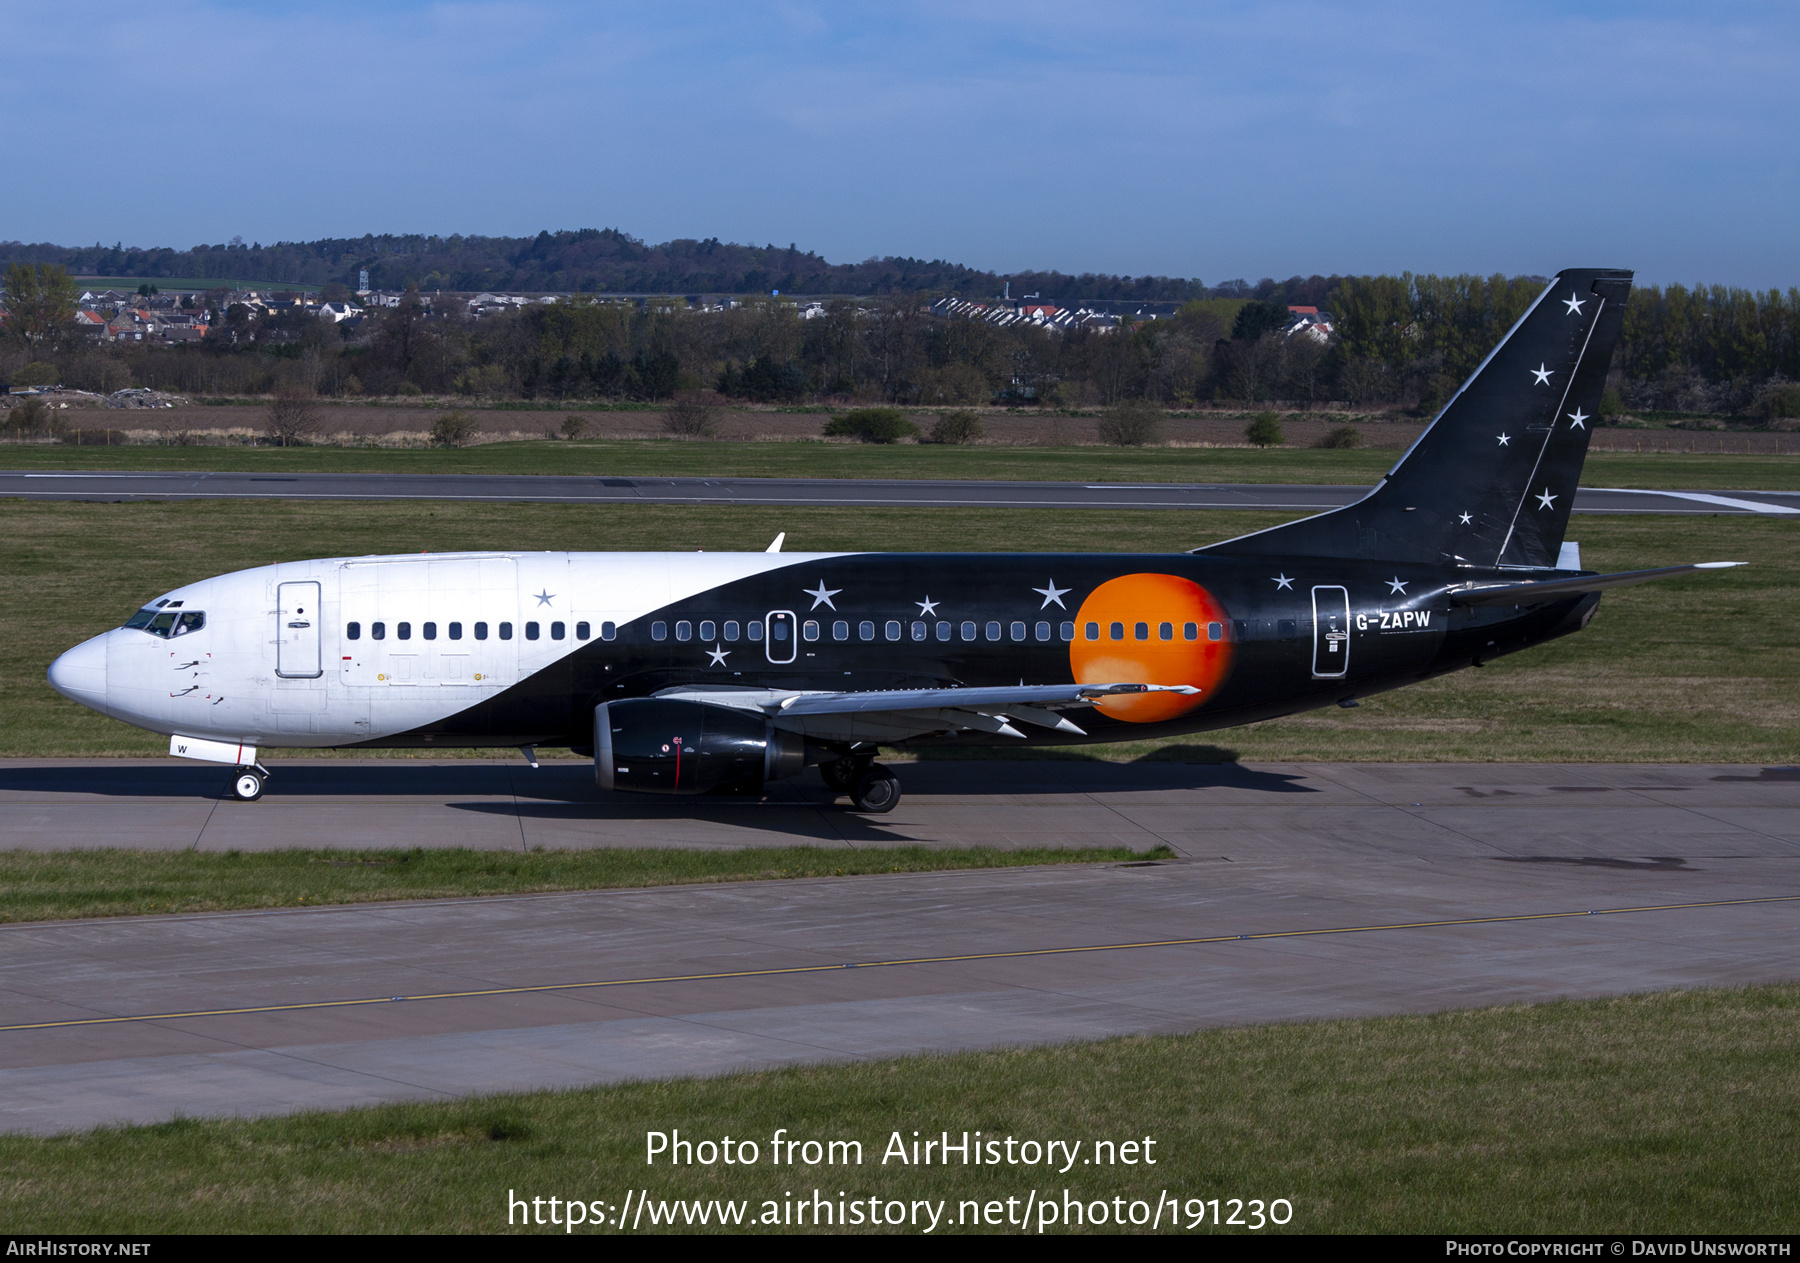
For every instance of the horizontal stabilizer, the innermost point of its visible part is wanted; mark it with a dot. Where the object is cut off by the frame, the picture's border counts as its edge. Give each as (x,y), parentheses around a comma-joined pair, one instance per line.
(1550,589)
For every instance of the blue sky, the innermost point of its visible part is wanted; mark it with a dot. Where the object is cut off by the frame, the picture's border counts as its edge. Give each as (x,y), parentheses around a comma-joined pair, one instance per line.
(1211,140)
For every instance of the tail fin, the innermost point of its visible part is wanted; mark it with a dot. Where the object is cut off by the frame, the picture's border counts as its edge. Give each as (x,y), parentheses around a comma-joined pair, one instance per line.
(1491,480)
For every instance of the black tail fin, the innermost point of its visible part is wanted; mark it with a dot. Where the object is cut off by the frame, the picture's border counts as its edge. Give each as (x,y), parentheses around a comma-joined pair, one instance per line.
(1491,480)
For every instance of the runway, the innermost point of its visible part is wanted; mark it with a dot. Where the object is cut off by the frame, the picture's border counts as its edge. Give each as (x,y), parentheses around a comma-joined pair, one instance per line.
(1300,891)
(818,492)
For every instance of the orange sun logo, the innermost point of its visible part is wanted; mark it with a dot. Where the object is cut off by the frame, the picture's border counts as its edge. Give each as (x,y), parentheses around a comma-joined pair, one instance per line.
(1151,629)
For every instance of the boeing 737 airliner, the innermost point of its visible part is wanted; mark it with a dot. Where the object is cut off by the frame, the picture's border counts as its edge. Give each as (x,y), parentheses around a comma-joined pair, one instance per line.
(690,672)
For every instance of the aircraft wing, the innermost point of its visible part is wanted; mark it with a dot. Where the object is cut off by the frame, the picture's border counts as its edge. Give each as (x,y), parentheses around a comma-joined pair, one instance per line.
(895,714)
(1549,589)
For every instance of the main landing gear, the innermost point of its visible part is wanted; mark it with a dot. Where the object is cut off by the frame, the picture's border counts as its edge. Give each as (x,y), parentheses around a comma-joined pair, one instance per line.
(872,788)
(247,786)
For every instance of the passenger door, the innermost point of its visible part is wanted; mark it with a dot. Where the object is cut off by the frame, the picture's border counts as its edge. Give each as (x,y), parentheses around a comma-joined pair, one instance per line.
(298,620)
(1331,632)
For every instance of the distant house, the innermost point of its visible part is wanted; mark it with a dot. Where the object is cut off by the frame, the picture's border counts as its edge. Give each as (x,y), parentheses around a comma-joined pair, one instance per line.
(91,322)
(1309,322)
(337,313)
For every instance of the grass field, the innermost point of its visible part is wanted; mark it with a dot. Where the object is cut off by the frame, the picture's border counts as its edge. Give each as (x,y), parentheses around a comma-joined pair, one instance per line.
(51,885)
(1697,669)
(674,459)
(1671,1113)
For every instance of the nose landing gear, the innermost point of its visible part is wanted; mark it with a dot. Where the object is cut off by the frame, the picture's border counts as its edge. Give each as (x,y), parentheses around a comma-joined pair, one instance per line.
(247,787)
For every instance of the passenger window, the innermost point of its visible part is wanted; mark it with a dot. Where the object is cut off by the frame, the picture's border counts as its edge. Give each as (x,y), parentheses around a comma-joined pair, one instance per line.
(993,631)
(1043,631)
(1288,628)
(943,631)
(377,631)
(402,631)
(455,630)
(608,630)
(1165,631)
(531,632)
(1068,631)
(684,630)
(1215,631)
(1018,631)
(731,631)
(865,630)
(1141,631)
(558,631)
(778,630)
(428,631)
(753,629)
(583,631)
(968,631)
(1116,631)
(709,630)
(1093,631)
(659,631)
(505,631)
(840,631)
(352,631)
(1240,629)
(810,630)
(480,631)
(918,631)
(892,629)
(1190,631)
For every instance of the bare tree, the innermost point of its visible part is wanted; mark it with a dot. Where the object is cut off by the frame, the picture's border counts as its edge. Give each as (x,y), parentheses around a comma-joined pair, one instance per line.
(292,416)
(688,419)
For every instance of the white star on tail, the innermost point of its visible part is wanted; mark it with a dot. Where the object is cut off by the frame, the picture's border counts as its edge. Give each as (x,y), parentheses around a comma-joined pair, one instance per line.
(1578,420)
(1504,439)
(1465,519)
(717,655)
(1544,501)
(1574,304)
(1395,585)
(1282,581)
(1542,374)
(927,606)
(1052,594)
(822,595)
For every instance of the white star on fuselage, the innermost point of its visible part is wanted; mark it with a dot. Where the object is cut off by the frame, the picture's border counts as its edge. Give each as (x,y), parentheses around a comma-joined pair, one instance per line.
(543,598)
(1282,581)
(822,595)
(1578,419)
(1052,594)
(1544,501)
(1396,585)
(717,655)
(1574,304)
(927,606)
(1542,373)
(1504,439)
(1465,519)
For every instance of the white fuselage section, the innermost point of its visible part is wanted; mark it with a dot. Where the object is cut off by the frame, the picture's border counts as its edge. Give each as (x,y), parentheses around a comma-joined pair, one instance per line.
(346,650)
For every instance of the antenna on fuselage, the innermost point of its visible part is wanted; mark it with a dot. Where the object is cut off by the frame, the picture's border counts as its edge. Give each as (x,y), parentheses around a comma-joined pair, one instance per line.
(776,546)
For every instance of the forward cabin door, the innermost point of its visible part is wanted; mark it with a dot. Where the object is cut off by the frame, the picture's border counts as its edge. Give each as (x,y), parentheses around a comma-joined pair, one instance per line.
(298,620)
(1331,633)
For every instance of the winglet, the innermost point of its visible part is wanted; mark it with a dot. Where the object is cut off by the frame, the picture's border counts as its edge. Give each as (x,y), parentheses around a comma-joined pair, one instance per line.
(776,546)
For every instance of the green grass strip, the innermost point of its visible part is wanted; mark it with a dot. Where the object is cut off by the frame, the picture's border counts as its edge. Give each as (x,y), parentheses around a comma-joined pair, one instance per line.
(1670,1113)
(111,882)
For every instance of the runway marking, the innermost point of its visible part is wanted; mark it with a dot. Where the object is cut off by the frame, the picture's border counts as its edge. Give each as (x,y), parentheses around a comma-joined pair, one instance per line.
(886,964)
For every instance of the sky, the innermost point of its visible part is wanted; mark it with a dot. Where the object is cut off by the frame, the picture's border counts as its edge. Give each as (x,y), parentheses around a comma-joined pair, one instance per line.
(1210,140)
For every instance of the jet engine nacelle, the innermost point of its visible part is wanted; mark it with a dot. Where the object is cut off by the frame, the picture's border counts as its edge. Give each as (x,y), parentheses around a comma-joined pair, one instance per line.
(664,745)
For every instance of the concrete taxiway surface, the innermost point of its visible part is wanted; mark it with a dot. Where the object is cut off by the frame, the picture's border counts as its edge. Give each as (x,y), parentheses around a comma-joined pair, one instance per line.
(1456,885)
(822,492)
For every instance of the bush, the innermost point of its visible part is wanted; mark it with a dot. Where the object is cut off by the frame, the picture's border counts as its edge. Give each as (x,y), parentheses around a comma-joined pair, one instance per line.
(37,373)
(1342,436)
(688,419)
(29,418)
(872,425)
(292,417)
(1775,400)
(574,426)
(1264,430)
(1131,423)
(454,429)
(961,426)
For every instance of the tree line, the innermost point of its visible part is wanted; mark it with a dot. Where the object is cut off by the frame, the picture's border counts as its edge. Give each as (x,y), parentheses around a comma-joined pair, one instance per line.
(1403,342)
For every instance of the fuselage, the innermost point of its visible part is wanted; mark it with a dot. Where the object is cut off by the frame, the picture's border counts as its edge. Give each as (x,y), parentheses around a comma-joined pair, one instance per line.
(518,648)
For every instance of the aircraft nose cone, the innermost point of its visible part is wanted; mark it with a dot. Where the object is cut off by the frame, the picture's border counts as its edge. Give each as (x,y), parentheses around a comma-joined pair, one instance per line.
(80,674)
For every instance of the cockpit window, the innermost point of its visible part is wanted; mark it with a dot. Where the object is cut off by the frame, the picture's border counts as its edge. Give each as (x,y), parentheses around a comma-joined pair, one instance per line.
(166,622)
